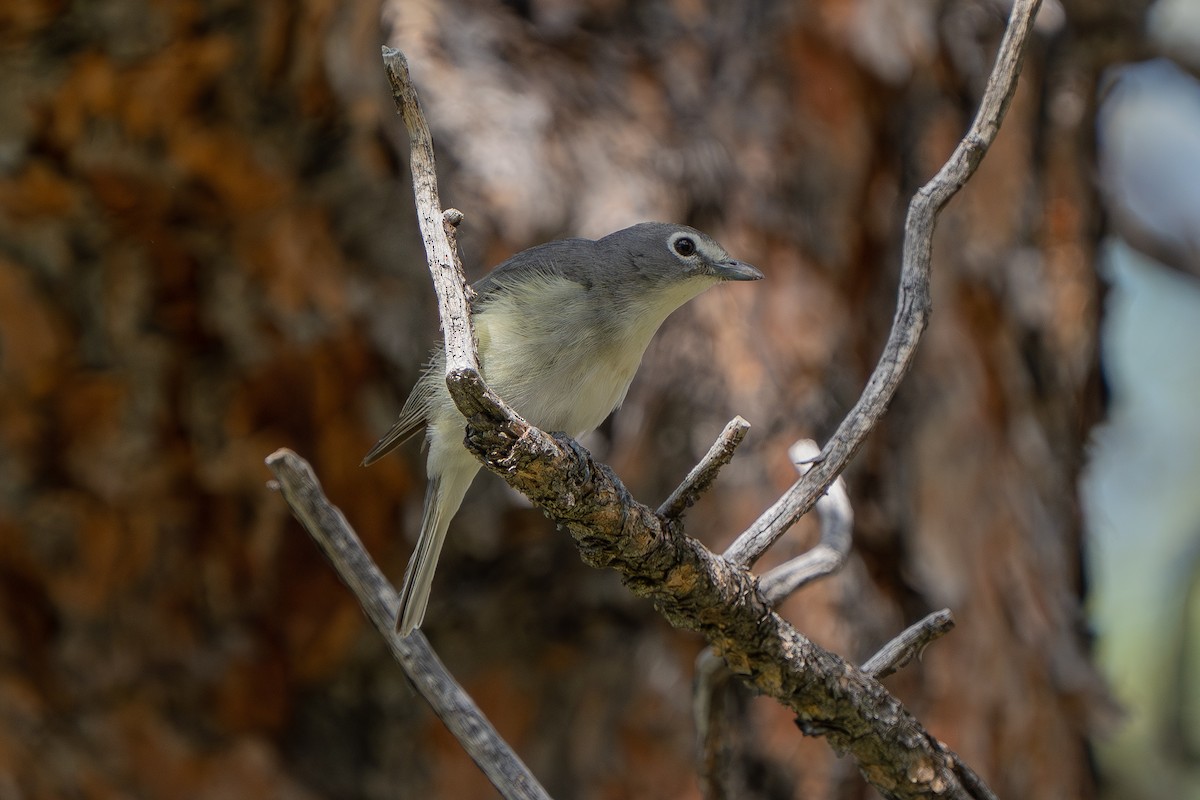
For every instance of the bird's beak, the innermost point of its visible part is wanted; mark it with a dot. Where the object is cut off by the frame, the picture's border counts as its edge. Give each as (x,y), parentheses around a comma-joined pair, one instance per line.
(731,270)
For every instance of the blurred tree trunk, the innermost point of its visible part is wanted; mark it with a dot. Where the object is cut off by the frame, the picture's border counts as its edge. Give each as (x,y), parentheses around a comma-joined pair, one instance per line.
(207,251)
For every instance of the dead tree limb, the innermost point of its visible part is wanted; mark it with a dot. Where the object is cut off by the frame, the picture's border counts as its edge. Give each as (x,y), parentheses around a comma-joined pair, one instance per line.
(833,548)
(705,473)
(911,642)
(913,306)
(329,529)
(691,586)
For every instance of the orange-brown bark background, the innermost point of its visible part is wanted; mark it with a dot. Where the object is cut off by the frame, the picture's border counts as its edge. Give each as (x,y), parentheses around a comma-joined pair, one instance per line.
(208,251)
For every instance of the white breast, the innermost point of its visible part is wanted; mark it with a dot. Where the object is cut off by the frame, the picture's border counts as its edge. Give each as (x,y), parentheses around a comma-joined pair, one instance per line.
(562,360)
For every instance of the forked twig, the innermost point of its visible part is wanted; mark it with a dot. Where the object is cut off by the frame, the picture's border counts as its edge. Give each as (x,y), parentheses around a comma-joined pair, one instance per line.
(830,553)
(691,586)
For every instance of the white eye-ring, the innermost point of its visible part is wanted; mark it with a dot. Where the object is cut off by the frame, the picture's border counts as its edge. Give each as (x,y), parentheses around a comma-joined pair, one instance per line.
(684,245)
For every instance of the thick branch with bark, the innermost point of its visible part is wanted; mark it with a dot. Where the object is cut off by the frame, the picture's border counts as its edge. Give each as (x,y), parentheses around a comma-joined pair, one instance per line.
(711,689)
(694,588)
(691,586)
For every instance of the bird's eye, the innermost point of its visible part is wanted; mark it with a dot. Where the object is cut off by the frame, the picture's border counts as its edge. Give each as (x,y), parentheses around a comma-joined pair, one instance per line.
(684,245)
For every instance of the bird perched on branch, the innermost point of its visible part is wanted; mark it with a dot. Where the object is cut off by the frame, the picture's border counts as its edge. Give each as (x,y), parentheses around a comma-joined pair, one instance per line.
(561,329)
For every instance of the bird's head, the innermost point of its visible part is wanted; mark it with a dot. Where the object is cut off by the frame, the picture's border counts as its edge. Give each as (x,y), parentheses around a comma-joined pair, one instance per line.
(656,255)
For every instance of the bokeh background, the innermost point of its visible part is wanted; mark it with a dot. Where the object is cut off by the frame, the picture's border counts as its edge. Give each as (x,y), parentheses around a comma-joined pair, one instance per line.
(208,251)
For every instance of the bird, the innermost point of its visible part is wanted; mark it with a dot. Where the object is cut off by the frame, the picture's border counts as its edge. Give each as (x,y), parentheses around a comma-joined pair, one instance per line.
(561,329)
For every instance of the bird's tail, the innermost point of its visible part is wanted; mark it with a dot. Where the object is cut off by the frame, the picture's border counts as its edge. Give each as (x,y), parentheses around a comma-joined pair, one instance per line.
(442,498)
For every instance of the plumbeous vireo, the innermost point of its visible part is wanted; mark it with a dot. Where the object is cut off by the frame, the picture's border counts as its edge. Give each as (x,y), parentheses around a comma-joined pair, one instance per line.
(561,329)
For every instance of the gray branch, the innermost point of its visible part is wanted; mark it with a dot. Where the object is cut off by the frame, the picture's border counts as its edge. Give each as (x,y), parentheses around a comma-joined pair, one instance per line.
(831,552)
(913,306)
(441,248)
(711,689)
(341,545)
(692,587)
(909,644)
(437,227)
(703,474)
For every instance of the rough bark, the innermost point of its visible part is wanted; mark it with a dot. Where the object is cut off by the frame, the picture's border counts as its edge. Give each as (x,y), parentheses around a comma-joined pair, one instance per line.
(200,261)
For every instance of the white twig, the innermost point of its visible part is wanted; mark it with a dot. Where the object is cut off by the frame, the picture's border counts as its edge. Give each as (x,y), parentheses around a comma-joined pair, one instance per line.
(829,554)
(439,233)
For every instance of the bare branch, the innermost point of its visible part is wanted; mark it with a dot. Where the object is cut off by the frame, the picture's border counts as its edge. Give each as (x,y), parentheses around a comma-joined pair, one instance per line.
(711,690)
(830,553)
(708,714)
(696,589)
(909,644)
(449,282)
(328,527)
(441,249)
(692,587)
(913,306)
(703,474)
(973,783)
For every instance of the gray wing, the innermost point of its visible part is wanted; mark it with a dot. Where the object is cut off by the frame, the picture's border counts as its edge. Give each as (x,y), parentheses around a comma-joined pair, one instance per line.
(573,259)
(413,418)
